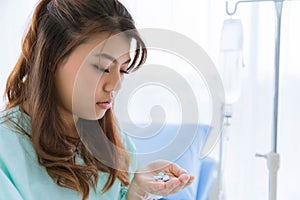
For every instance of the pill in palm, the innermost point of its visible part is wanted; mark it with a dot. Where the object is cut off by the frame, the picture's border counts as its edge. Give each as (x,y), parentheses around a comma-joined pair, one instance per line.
(158,177)
(161,174)
(165,178)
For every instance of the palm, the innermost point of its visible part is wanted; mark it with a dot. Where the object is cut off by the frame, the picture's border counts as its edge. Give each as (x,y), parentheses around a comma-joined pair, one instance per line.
(145,178)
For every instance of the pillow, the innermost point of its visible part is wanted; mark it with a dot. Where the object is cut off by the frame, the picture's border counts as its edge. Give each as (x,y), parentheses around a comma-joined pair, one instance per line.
(189,158)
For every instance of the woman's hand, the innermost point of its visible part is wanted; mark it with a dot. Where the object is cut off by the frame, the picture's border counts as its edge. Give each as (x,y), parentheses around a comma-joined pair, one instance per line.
(144,184)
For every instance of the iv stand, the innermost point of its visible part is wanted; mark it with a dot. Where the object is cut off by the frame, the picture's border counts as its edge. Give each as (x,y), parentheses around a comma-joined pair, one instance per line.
(273,158)
(227,112)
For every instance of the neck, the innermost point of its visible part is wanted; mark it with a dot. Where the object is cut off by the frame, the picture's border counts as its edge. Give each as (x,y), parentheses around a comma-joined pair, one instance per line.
(68,119)
(70,122)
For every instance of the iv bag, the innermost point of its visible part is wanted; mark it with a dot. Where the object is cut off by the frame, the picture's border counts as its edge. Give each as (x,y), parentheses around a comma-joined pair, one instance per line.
(231,58)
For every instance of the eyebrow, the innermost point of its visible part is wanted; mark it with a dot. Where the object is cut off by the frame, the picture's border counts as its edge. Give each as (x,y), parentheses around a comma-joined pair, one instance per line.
(109,57)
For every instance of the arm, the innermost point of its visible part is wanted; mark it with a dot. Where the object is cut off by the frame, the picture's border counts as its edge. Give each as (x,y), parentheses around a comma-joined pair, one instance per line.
(135,193)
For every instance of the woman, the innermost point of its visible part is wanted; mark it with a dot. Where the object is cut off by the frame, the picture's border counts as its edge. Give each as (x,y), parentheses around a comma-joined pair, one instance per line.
(58,137)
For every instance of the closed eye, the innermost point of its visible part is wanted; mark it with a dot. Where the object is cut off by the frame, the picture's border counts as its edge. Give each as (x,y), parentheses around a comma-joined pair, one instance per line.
(106,70)
(124,71)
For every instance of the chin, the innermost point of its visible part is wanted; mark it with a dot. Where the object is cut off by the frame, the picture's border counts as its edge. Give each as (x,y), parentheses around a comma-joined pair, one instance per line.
(100,115)
(94,116)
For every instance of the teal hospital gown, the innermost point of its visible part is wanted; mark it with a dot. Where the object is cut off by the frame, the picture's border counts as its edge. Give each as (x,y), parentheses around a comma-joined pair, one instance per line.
(22,178)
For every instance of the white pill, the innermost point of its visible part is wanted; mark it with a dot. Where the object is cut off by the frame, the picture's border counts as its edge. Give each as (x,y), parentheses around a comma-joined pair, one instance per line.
(161,174)
(165,178)
(158,177)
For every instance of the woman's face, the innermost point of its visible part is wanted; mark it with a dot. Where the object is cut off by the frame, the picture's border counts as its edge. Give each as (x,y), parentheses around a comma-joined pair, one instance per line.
(87,80)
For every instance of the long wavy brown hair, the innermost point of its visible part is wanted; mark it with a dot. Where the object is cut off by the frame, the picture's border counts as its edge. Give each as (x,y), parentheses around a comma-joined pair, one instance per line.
(56,29)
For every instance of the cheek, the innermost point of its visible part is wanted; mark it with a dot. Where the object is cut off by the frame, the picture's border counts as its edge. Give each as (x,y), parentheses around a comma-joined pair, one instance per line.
(64,84)
(84,87)
(85,92)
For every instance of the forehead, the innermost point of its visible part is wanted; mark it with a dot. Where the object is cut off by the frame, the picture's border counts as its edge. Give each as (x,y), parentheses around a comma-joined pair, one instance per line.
(117,45)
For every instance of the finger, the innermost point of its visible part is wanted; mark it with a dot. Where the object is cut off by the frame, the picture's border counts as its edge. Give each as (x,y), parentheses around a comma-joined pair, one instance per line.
(178,188)
(172,184)
(184,182)
(169,187)
(192,178)
(177,170)
(184,178)
(189,182)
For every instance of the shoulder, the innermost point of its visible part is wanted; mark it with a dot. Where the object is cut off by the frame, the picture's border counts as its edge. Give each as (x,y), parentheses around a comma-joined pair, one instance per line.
(8,121)
(14,121)
(6,115)
(13,136)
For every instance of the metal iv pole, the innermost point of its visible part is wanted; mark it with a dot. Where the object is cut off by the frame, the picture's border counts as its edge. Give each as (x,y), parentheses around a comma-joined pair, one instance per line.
(273,158)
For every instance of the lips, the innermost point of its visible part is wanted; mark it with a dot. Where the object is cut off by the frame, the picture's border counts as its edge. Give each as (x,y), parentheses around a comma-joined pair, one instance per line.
(105,104)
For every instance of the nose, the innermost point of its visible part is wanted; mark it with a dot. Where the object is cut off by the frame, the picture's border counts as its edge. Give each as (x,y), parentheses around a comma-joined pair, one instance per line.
(113,81)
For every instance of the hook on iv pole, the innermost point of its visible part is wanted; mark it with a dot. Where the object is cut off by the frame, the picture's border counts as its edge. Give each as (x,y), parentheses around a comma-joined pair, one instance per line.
(238,2)
(234,11)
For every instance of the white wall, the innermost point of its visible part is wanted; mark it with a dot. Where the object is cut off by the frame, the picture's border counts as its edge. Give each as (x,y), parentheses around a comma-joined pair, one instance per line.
(13,21)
